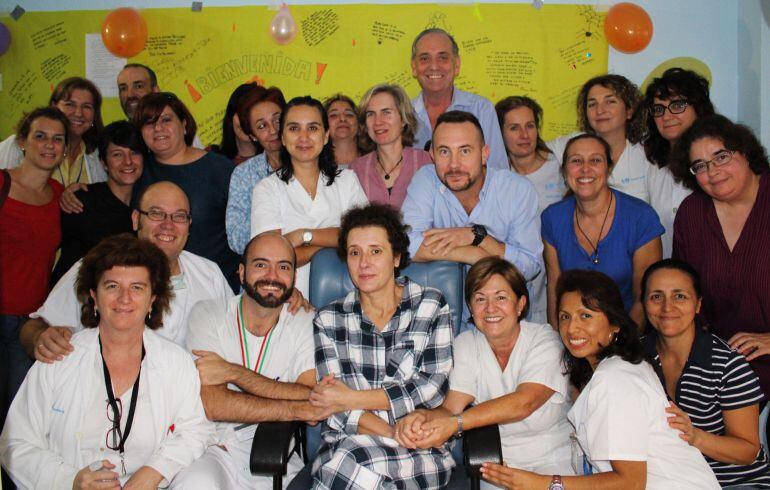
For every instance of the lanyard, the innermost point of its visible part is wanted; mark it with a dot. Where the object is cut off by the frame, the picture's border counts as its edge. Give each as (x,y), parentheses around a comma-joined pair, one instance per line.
(114,404)
(69,171)
(245,358)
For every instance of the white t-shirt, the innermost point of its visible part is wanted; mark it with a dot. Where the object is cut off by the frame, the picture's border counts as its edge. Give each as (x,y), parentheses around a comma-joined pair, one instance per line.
(629,174)
(276,204)
(289,353)
(550,188)
(541,442)
(200,279)
(666,195)
(620,415)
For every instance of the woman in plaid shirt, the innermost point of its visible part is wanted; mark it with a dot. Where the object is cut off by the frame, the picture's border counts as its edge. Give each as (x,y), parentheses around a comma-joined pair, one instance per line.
(382,352)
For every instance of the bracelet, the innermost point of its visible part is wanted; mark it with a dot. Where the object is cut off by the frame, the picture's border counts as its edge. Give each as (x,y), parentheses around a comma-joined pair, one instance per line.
(459,426)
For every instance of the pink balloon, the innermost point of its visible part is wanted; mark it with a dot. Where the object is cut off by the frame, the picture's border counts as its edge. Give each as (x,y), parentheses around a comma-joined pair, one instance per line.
(283,28)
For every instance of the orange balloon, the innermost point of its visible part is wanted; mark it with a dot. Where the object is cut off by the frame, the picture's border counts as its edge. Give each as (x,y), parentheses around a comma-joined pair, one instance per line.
(628,27)
(124,32)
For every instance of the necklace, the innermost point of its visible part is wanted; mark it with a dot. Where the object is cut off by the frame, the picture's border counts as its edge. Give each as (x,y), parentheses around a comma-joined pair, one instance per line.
(245,358)
(387,174)
(595,255)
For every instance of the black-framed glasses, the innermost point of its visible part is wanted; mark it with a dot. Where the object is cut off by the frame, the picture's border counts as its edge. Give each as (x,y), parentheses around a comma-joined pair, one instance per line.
(114,435)
(176,217)
(722,157)
(674,107)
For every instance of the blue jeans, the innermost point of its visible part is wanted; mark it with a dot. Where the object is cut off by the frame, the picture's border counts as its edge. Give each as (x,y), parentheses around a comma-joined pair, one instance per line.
(14,361)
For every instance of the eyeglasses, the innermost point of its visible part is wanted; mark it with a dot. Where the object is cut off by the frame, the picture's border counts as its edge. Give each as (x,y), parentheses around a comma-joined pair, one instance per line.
(674,107)
(176,217)
(114,435)
(721,158)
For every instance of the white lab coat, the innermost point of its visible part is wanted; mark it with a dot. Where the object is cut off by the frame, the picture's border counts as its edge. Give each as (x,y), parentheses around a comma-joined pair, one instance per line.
(202,280)
(40,445)
(11,156)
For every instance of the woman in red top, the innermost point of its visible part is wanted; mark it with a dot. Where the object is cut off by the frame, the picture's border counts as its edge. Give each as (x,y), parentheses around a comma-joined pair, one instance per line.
(29,236)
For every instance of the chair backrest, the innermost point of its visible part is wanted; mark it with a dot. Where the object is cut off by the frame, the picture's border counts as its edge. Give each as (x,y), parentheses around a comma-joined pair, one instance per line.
(329,280)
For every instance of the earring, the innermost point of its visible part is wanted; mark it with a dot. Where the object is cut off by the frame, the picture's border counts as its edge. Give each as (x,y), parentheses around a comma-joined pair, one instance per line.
(96,312)
(613,337)
(149,313)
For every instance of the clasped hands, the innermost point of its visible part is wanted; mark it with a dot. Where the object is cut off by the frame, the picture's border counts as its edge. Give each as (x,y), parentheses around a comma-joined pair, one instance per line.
(418,430)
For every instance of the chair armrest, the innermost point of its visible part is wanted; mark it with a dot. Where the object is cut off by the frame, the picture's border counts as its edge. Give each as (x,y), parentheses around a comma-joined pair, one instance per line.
(272,447)
(481,445)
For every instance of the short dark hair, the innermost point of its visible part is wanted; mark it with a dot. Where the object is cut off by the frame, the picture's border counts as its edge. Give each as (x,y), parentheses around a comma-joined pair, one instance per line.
(673,83)
(150,72)
(435,30)
(508,104)
(51,112)
(458,117)
(326,162)
(120,133)
(584,136)
(484,269)
(151,106)
(736,137)
(339,97)
(64,90)
(382,216)
(252,98)
(626,91)
(124,250)
(228,146)
(599,293)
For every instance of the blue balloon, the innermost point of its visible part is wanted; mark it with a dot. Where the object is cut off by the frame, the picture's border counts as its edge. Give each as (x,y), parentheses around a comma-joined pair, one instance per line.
(5,39)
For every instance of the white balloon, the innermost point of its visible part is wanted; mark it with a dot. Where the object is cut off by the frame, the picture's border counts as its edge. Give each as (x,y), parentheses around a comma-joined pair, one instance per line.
(283,28)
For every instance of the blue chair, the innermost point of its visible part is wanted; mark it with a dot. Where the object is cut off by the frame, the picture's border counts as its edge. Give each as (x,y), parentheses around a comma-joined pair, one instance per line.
(329,280)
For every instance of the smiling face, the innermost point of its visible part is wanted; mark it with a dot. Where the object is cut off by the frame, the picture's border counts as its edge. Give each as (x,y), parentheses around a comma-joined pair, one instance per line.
(520,132)
(672,126)
(606,112)
(727,183)
(268,275)
(343,124)
(671,302)
(383,119)
(304,135)
(434,65)
(265,119)
(370,259)
(167,235)
(586,168)
(133,83)
(123,298)
(460,156)
(165,137)
(585,332)
(496,309)
(79,109)
(45,144)
(124,165)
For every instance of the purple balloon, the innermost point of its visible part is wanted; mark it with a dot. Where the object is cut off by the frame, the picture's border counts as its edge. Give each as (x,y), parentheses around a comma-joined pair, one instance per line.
(5,39)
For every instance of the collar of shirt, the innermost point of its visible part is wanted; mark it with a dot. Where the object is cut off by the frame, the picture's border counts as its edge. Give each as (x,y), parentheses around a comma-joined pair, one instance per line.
(450,196)
(461,100)
(700,352)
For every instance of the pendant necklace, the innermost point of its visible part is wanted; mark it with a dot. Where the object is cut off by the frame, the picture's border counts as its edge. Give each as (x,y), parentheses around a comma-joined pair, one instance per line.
(387,174)
(595,255)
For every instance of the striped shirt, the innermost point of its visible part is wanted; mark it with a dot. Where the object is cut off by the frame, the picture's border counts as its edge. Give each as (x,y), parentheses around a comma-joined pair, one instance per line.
(716,378)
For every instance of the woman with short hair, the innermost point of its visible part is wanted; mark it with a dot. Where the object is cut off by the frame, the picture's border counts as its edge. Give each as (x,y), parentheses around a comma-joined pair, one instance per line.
(123,409)
(388,125)
(382,351)
(343,128)
(622,435)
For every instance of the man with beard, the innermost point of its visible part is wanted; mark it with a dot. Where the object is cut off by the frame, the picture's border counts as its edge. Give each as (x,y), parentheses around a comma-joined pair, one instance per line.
(163,218)
(460,210)
(256,363)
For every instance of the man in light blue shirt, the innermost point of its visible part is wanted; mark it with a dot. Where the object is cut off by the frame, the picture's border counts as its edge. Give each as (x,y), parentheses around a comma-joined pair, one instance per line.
(461,211)
(435,64)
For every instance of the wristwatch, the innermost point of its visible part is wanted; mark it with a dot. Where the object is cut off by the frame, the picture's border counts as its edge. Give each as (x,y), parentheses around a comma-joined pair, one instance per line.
(556,483)
(307,237)
(479,233)
(459,432)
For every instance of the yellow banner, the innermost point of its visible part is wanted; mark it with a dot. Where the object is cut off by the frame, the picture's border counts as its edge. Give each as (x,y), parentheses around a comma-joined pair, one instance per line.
(545,53)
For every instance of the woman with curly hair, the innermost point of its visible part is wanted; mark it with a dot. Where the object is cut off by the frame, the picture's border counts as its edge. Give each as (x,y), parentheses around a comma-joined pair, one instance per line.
(622,436)
(306,197)
(607,106)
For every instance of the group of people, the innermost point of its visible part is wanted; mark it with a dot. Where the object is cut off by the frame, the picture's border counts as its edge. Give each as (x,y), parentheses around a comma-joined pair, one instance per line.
(616,322)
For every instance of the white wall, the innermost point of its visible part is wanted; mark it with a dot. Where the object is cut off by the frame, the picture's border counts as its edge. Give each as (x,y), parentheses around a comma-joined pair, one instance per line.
(731,37)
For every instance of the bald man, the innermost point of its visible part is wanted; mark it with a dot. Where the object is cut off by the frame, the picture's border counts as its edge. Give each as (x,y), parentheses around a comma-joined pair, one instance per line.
(163,218)
(256,364)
